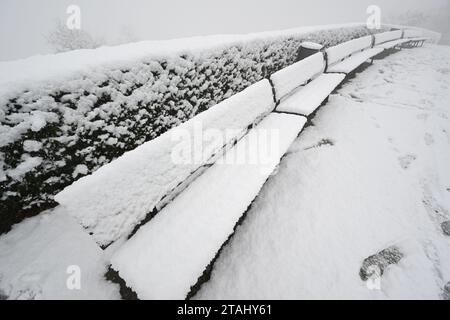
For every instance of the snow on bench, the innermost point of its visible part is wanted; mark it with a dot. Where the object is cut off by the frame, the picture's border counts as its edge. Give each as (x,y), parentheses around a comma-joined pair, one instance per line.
(414,42)
(343,50)
(392,44)
(354,61)
(290,78)
(387,36)
(308,98)
(118,196)
(405,42)
(168,254)
(412,33)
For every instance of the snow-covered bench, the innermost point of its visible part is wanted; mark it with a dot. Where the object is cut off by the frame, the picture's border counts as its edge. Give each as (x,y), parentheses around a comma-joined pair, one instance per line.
(344,50)
(384,37)
(166,257)
(354,61)
(399,38)
(347,56)
(288,79)
(307,99)
(392,44)
(302,87)
(415,42)
(112,201)
(412,33)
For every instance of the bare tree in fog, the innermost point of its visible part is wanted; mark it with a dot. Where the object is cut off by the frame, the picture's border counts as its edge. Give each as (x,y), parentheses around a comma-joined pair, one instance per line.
(63,39)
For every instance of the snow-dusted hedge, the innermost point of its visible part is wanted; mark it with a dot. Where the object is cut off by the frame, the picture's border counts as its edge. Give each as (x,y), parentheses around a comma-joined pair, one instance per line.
(51,135)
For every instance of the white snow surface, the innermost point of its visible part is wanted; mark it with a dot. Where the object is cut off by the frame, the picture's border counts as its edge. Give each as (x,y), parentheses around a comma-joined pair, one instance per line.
(289,78)
(39,255)
(387,36)
(305,100)
(345,49)
(413,33)
(110,202)
(354,61)
(391,44)
(168,254)
(384,181)
(381,178)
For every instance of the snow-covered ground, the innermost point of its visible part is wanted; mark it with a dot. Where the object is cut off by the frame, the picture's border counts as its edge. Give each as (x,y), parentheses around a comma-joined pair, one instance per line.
(371,173)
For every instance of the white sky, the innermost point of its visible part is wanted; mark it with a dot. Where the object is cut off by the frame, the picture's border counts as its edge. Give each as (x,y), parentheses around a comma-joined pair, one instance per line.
(23,23)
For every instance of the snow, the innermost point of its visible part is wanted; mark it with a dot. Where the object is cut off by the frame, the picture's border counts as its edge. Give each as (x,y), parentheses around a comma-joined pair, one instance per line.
(168,254)
(387,36)
(110,202)
(289,78)
(342,194)
(345,49)
(32,145)
(372,172)
(25,73)
(392,44)
(37,257)
(354,61)
(306,99)
(312,45)
(412,33)
(96,114)
(80,169)
(28,164)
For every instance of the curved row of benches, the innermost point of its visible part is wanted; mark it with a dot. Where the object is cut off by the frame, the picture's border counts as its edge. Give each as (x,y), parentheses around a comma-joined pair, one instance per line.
(200,201)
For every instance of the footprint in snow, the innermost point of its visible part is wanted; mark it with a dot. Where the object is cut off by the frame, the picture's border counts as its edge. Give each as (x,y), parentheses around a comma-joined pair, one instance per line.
(375,265)
(446,294)
(321,143)
(446,227)
(423,116)
(406,160)
(429,140)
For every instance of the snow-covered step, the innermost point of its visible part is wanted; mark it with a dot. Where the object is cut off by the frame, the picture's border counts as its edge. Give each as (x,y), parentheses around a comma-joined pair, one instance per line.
(113,200)
(293,76)
(307,99)
(168,254)
(354,61)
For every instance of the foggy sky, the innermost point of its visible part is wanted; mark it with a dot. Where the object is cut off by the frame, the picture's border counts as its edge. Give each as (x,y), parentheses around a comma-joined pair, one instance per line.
(24,23)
